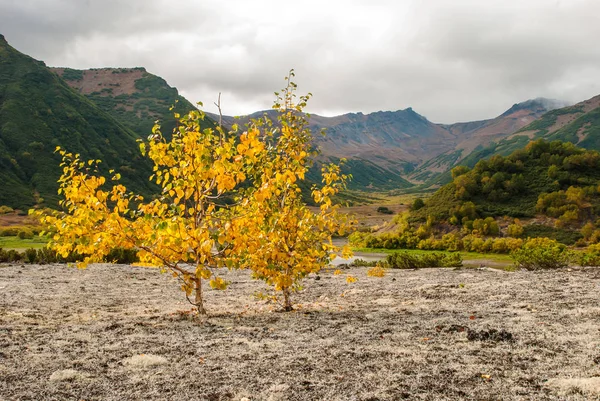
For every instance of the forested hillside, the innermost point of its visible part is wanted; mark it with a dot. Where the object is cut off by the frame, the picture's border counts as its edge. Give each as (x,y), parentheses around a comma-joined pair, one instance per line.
(549,189)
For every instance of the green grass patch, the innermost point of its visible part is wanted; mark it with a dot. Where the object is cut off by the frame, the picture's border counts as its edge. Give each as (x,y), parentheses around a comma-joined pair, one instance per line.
(21,244)
(467,256)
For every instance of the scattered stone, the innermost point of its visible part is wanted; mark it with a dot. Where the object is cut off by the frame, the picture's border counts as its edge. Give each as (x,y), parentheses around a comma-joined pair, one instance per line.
(65,375)
(144,361)
(453,328)
(489,335)
(576,385)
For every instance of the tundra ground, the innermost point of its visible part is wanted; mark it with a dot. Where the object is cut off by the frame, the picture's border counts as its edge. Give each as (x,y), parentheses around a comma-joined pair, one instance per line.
(121,332)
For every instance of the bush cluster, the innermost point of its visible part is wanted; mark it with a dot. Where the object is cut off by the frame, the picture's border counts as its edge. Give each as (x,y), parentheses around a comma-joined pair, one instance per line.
(6,209)
(46,255)
(554,178)
(406,260)
(542,253)
(448,242)
(22,232)
(590,257)
(358,262)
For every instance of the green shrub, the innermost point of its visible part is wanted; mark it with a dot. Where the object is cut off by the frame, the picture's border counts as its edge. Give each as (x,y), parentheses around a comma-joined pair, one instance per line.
(565,236)
(590,257)
(14,256)
(9,231)
(46,255)
(6,209)
(358,239)
(122,256)
(25,234)
(358,262)
(384,210)
(406,260)
(541,253)
(515,230)
(417,204)
(30,256)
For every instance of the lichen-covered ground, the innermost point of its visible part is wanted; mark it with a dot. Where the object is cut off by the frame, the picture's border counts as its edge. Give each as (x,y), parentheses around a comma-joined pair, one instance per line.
(121,332)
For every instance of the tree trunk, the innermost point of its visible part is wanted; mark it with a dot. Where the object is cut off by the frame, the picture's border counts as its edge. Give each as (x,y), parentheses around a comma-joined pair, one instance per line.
(198,300)
(287,302)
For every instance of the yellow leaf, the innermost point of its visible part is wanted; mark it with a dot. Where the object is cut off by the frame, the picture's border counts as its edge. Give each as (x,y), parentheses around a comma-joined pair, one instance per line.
(376,271)
(218,284)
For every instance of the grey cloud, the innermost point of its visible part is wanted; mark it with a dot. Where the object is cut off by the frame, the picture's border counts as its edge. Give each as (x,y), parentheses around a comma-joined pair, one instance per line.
(450,61)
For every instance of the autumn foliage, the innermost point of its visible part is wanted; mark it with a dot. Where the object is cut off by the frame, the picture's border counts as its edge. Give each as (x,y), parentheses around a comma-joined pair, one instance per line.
(228,199)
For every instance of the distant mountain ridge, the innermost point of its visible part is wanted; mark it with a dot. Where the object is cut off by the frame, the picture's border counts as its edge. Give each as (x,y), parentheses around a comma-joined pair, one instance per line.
(406,147)
(101,112)
(478,134)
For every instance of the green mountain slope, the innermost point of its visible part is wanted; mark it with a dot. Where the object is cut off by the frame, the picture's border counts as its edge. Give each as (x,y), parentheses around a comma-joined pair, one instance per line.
(547,189)
(584,131)
(366,175)
(133,96)
(39,111)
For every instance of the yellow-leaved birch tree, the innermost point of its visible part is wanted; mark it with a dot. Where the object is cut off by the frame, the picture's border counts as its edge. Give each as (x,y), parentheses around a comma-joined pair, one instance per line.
(196,170)
(290,240)
(227,200)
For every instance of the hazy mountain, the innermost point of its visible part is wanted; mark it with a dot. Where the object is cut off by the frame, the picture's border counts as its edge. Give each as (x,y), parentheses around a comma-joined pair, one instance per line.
(477,134)
(100,113)
(578,124)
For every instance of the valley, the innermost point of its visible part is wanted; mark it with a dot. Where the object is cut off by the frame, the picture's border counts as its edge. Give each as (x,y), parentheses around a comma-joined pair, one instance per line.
(476,246)
(385,151)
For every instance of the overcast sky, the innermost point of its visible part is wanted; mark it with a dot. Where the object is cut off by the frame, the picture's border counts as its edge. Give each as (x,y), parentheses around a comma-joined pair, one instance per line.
(451,61)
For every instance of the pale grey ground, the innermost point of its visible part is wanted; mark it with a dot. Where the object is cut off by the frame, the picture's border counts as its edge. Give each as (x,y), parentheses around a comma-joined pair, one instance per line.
(114,332)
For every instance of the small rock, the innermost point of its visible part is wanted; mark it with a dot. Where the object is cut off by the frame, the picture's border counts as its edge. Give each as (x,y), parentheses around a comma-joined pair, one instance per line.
(65,375)
(144,360)
(489,335)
